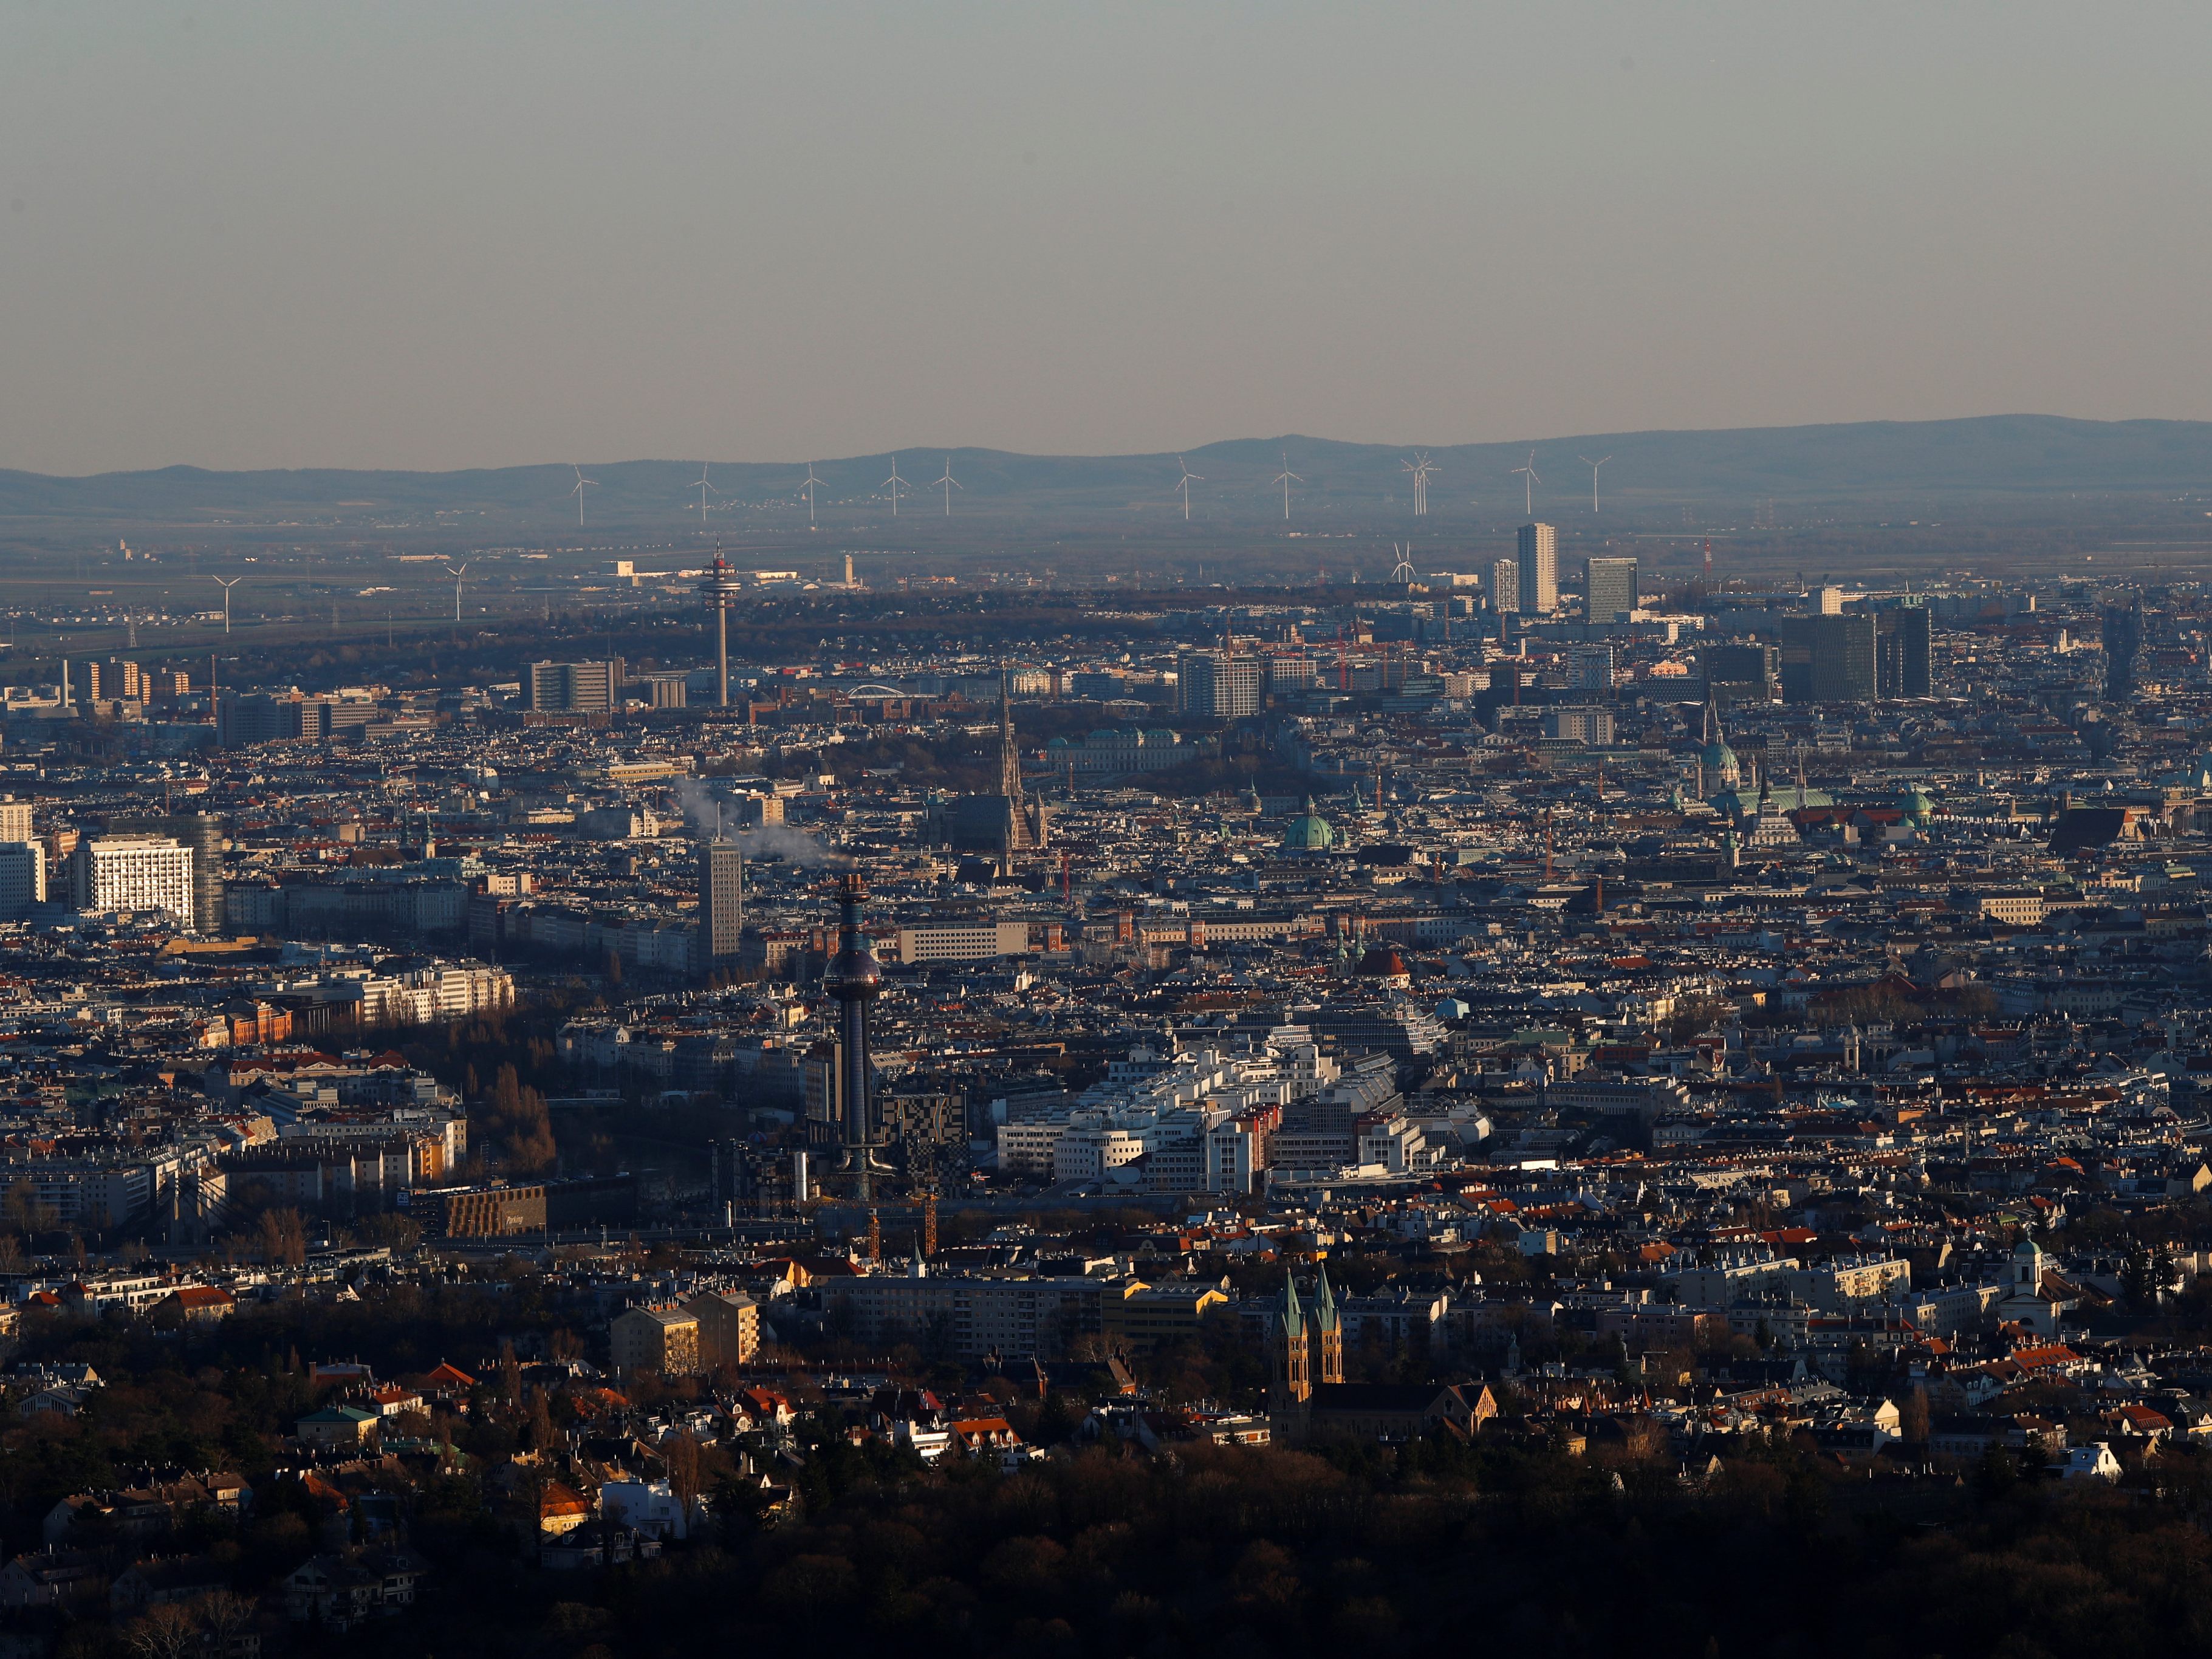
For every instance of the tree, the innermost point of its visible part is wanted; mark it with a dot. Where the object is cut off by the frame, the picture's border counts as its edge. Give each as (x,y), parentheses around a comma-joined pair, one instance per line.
(282,1237)
(681,1452)
(2138,1281)
(167,1630)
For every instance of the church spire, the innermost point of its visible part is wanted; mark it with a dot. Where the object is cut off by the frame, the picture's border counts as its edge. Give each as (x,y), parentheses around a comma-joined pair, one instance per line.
(1010,759)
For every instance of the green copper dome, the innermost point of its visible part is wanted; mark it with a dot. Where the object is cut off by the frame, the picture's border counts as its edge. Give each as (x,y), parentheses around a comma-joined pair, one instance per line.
(1309,832)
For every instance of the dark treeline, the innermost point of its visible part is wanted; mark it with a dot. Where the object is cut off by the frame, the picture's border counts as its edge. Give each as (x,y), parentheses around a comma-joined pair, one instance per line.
(1232,1553)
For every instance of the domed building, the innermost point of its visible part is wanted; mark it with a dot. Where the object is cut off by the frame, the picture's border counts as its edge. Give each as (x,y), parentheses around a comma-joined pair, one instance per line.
(1919,810)
(1309,832)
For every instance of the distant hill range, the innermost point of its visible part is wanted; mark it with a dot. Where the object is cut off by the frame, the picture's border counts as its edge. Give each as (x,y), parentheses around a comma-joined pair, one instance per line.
(1869,467)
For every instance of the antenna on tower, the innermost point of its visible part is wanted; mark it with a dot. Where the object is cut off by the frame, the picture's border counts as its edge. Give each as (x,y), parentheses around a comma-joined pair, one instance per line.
(948,483)
(1187,479)
(1286,478)
(1528,483)
(583,484)
(895,484)
(1593,465)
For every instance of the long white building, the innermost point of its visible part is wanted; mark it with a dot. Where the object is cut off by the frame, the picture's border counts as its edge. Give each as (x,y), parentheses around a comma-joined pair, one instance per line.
(133,873)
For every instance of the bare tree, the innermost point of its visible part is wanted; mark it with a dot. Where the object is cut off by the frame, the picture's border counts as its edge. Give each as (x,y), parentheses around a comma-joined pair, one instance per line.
(167,1630)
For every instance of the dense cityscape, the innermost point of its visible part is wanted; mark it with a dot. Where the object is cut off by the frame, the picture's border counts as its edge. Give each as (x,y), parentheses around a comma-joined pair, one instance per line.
(1105,832)
(1502,1045)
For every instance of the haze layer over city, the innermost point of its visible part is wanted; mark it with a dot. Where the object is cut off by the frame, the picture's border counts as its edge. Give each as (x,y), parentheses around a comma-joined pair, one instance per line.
(1109,833)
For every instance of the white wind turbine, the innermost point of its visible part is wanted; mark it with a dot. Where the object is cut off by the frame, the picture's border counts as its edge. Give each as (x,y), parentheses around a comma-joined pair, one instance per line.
(583,484)
(895,484)
(808,489)
(1403,570)
(949,483)
(1286,478)
(704,487)
(1420,468)
(1593,465)
(1189,478)
(454,571)
(1528,483)
(226,583)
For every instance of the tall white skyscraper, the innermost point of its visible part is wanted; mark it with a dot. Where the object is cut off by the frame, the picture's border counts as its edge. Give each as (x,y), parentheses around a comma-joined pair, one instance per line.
(22,878)
(1538,562)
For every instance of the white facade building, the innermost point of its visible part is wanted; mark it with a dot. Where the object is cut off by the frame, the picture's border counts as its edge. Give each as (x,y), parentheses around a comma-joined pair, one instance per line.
(133,872)
(22,878)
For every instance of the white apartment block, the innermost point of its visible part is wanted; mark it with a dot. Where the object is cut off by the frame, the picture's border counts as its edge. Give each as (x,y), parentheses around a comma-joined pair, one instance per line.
(23,878)
(133,873)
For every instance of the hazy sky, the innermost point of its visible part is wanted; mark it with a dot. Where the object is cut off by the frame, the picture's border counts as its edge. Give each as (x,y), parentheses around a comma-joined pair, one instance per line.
(456,234)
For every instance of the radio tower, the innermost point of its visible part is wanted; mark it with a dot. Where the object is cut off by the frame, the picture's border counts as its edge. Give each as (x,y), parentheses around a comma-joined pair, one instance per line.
(854,978)
(720,587)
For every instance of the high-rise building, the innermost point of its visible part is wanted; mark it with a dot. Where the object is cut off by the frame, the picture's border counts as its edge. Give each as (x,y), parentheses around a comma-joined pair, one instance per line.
(1612,585)
(1538,558)
(15,819)
(2122,631)
(1286,674)
(1828,601)
(1593,668)
(133,872)
(1742,673)
(721,906)
(1905,639)
(1218,685)
(573,688)
(22,878)
(1830,658)
(114,681)
(1506,587)
(199,834)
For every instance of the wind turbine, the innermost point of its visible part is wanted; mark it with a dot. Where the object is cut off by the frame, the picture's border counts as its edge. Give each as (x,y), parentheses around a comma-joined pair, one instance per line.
(226,583)
(1403,570)
(583,484)
(1286,478)
(454,571)
(703,488)
(1593,465)
(1420,467)
(1189,478)
(949,481)
(895,484)
(1528,483)
(807,489)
